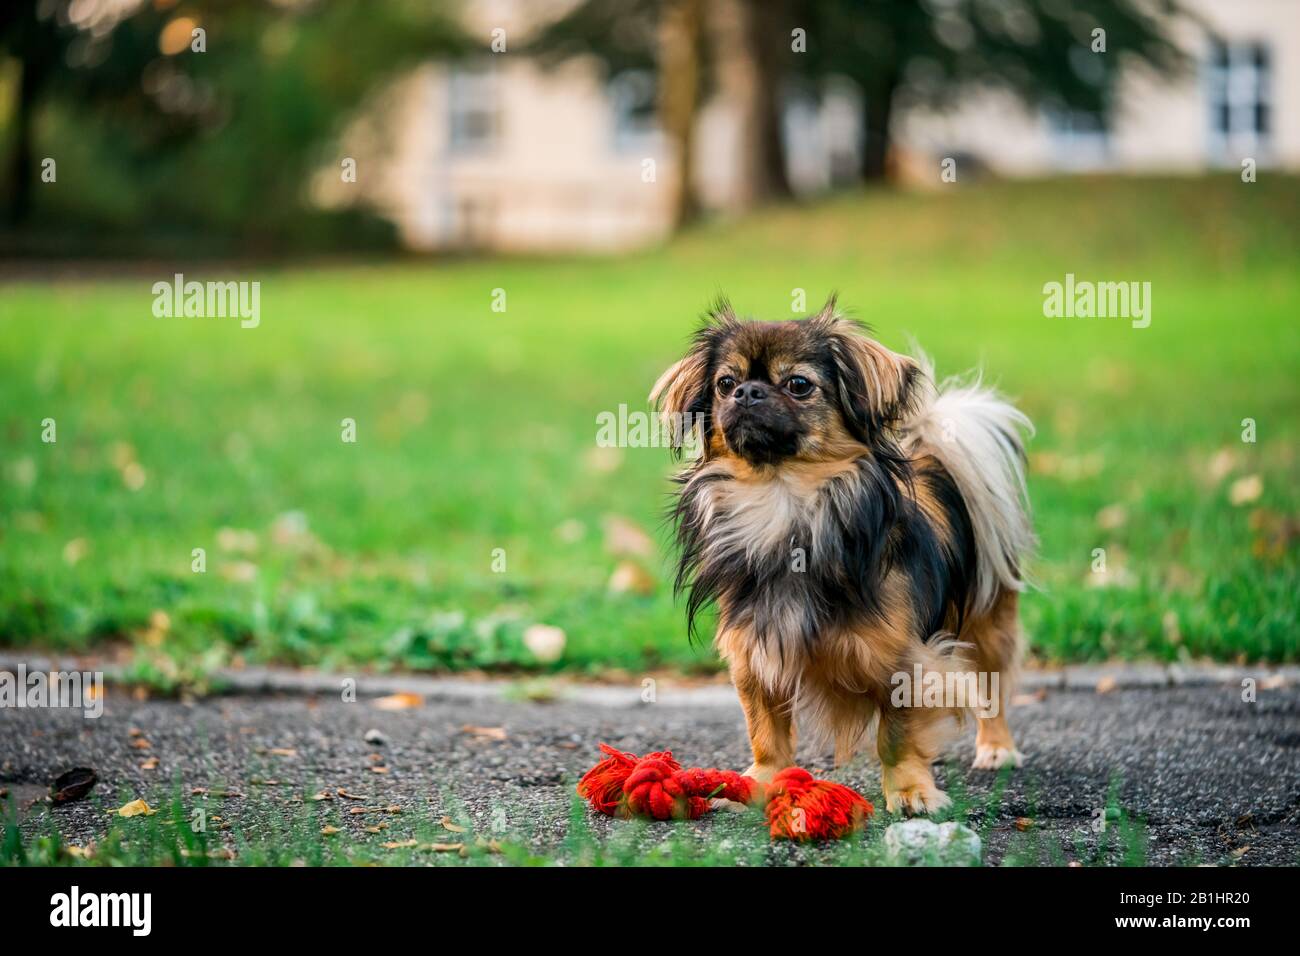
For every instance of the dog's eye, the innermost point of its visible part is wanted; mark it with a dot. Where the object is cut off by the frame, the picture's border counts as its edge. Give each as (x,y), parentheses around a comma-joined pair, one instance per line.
(725,385)
(798,386)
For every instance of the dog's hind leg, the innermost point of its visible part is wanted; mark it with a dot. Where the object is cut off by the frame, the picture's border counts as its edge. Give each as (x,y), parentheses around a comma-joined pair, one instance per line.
(907,741)
(996,638)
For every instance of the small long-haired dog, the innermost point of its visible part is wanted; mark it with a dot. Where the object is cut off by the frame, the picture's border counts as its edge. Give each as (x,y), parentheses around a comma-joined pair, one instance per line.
(855,526)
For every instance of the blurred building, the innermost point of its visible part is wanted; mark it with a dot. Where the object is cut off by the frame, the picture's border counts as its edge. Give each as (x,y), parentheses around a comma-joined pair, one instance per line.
(1239,100)
(507,155)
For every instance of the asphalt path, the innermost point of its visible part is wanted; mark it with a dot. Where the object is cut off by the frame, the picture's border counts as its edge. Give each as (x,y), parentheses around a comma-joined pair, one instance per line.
(1212,778)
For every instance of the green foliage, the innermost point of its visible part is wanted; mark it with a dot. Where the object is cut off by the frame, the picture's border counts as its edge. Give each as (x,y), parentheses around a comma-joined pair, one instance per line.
(621,34)
(216,146)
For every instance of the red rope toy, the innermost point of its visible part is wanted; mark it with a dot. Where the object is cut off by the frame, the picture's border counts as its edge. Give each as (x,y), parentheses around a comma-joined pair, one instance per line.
(657,787)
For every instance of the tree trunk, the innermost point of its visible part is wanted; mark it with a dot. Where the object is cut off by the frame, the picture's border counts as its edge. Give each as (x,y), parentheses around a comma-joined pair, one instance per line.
(877,109)
(21,167)
(748,68)
(768,40)
(680,27)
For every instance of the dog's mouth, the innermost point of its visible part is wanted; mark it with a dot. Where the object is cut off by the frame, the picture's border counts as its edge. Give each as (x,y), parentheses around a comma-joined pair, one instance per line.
(758,439)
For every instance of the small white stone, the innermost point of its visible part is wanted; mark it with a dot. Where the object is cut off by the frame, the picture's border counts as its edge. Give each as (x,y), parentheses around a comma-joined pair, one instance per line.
(923,842)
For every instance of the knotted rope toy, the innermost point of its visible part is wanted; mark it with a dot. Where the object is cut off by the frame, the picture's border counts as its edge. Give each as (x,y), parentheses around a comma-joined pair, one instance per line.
(657,787)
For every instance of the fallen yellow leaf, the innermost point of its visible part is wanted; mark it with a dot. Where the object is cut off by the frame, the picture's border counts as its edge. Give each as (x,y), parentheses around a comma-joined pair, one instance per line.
(489,733)
(447,824)
(444,847)
(624,538)
(1245,490)
(630,578)
(404,701)
(1028,700)
(135,808)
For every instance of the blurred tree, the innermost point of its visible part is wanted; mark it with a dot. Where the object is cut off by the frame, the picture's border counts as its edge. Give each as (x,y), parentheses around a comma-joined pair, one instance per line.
(666,36)
(59,57)
(681,24)
(39,45)
(226,136)
(912,51)
(693,47)
(930,50)
(750,39)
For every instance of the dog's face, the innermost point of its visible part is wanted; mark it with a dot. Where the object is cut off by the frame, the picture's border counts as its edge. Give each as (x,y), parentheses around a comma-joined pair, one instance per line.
(812,389)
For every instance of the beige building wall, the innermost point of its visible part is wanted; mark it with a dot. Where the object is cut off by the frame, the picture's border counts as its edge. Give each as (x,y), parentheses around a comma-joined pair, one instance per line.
(552,176)
(1159,124)
(545,170)
(552,170)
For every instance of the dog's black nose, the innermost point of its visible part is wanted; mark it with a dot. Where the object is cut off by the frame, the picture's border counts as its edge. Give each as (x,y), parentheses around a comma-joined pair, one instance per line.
(749,393)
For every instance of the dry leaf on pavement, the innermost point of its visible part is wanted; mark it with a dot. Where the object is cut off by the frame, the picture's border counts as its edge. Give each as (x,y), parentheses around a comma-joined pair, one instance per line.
(489,733)
(135,808)
(403,701)
(445,847)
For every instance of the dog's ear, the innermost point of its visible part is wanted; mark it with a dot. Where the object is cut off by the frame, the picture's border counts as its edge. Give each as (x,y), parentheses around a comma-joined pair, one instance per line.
(683,395)
(682,391)
(683,384)
(876,386)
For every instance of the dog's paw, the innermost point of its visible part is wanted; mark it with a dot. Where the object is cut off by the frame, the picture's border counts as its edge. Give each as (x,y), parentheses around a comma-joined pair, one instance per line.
(731,806)
(763,773)
(922,798)
(990,757)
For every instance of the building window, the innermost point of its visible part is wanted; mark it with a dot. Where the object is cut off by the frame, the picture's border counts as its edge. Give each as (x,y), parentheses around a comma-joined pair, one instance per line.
(1079,139)
(1238,81)
(474,106)
(635,121)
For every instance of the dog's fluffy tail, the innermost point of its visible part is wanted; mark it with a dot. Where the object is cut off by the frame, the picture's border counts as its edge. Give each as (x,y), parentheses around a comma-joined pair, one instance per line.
(975,434)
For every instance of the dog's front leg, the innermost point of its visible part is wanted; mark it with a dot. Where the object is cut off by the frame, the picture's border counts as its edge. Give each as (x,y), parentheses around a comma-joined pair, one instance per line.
(770,724)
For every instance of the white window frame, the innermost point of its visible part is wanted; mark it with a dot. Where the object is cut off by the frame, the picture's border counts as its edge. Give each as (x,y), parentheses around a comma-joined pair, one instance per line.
(473,93)
(626,93)
(1080,140)
(1244,88)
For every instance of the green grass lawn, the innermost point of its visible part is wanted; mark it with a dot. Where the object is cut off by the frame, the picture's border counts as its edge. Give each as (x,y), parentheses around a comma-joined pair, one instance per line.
(476,431)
